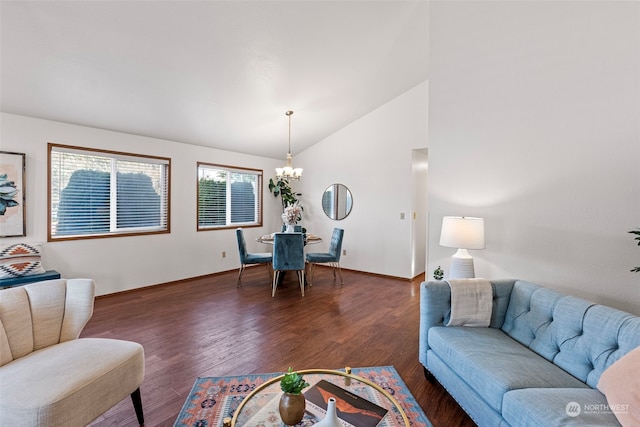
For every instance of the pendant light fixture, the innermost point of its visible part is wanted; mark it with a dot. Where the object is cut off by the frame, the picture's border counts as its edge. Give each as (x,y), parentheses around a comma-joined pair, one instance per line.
(289,172)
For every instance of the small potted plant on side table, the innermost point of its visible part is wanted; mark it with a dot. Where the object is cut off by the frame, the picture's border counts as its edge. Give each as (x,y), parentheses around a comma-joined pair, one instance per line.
(292,403)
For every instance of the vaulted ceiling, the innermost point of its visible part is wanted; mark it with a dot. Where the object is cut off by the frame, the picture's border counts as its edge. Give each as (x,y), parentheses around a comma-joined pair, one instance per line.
(212,73)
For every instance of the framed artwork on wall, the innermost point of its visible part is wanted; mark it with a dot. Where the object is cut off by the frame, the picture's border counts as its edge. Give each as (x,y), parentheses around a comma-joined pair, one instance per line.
(12,196)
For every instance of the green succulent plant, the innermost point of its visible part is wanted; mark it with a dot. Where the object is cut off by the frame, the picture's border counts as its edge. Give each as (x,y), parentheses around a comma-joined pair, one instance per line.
(637,233)
(292,382)
(8,191)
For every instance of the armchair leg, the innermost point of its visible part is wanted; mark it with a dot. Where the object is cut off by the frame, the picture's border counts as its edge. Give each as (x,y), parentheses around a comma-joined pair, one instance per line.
(137,405)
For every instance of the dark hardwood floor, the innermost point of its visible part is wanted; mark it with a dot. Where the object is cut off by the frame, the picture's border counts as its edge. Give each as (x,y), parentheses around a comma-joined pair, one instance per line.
(209,327)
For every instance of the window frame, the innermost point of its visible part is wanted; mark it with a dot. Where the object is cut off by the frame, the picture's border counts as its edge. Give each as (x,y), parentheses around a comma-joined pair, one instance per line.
(165,202)
(231,169)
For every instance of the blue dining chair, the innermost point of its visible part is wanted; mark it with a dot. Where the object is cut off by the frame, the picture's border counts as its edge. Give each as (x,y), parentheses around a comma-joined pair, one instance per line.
(288,255)
(296,228)
(332,257)
(247,258)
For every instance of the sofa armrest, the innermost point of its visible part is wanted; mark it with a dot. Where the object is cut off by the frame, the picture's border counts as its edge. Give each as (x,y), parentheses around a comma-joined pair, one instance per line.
(435,308)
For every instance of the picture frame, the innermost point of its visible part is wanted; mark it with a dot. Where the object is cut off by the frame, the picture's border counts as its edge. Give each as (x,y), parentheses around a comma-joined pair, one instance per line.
(12,194)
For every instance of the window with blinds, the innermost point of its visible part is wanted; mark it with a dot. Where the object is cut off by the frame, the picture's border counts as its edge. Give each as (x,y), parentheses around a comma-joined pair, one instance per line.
(95,193)
(228,197)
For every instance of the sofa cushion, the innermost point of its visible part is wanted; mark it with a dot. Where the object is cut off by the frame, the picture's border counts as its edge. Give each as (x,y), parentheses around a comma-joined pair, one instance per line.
(535,407)
(435,309)
(606,335)
(530,311)
(15,319)
(579,336)
(47,311)
(40,314)
(48,386)
(492,363)
(473,403)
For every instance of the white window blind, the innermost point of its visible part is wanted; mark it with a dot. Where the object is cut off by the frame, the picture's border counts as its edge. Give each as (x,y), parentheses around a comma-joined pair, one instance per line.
(228,197)
(94,193)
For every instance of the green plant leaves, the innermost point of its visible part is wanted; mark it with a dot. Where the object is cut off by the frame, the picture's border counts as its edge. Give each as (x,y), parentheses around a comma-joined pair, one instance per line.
(8,191)
(283,189)
(637,233)
(292,382)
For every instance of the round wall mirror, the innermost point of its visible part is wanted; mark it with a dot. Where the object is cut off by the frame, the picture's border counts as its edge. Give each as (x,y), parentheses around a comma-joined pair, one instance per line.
(337,201)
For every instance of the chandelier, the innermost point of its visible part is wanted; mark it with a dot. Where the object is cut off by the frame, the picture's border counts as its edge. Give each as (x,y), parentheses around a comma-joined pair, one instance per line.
(289,172)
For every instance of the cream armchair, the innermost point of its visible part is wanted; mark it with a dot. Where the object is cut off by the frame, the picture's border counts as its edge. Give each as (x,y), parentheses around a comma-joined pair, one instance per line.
(48,375)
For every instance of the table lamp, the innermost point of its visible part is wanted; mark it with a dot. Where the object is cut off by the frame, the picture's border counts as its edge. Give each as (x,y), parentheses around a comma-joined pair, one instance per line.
(462,233)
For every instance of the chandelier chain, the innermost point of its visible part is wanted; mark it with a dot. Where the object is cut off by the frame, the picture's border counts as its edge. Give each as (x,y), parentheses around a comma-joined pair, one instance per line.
(289,172)
(289,113)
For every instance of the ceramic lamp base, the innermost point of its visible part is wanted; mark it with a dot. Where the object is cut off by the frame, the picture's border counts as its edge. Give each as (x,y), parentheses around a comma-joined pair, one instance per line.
(462,266)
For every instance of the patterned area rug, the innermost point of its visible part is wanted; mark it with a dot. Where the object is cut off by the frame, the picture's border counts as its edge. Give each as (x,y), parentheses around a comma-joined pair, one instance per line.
(214,398)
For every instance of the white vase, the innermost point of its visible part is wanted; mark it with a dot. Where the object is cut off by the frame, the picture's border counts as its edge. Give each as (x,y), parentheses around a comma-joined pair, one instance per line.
(290,229)
(331,418)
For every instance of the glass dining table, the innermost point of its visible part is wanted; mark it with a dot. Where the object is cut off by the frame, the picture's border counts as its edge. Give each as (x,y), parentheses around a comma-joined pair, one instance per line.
(309,239)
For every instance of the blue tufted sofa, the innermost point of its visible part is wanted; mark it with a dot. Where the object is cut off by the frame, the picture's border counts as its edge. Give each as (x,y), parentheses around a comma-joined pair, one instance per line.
(537,364)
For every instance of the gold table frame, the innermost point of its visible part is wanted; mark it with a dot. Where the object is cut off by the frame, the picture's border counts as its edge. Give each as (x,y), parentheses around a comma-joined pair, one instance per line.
(231,422)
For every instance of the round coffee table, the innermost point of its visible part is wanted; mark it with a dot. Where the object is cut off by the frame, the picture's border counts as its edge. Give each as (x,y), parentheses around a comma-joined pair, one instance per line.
(260,407)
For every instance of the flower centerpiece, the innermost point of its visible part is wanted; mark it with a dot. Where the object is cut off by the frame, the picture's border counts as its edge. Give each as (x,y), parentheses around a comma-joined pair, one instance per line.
(291,215)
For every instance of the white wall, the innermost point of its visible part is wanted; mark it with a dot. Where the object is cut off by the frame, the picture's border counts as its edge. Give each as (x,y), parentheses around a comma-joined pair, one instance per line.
(376,239)
(535,125)
(373,158)
(123,263)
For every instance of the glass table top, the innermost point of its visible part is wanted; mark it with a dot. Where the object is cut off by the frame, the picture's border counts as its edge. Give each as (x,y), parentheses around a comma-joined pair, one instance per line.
(260,407)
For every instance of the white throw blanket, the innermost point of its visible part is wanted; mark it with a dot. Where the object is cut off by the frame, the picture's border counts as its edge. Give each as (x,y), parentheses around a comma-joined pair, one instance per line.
(471,302)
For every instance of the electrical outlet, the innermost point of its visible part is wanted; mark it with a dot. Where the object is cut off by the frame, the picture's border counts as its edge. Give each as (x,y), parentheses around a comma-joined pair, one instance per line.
(344,252)
(401,215)
(224,254)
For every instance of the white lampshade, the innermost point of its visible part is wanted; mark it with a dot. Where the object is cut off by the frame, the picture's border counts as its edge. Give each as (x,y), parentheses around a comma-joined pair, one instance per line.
(462,232)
